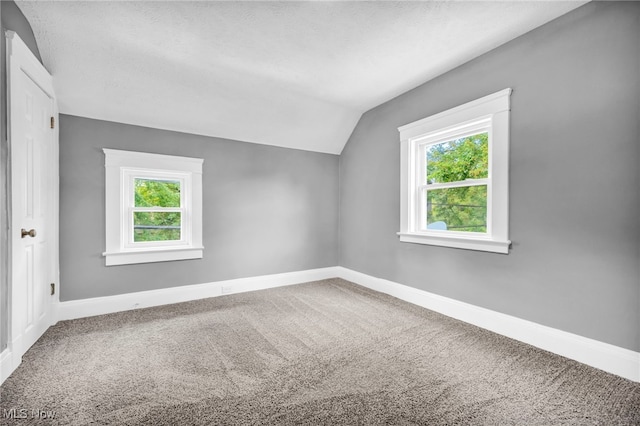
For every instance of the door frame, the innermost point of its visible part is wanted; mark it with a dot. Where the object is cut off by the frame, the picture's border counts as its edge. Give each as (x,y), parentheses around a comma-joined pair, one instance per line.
(20,59)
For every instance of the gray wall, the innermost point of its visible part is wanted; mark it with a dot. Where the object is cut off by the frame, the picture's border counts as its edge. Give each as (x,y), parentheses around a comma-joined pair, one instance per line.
(266,210)
(12,19)
(574,193)
(574,197)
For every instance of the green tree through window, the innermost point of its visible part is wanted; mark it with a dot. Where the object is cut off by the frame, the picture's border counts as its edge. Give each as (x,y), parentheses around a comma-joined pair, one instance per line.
(462,208)
(159,225)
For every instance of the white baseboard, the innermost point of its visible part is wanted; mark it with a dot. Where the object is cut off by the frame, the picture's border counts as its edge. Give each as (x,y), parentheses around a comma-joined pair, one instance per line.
(146,299)
(610,358)
(8,363)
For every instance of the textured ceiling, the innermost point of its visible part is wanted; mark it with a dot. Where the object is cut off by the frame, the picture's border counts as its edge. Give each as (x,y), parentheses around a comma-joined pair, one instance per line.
(291,74)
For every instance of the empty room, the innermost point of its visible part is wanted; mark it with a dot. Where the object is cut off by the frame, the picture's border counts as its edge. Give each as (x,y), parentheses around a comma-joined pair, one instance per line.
(320,212)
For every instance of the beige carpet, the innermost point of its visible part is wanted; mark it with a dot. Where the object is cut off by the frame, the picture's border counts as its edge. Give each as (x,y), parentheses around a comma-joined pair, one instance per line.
(328,352)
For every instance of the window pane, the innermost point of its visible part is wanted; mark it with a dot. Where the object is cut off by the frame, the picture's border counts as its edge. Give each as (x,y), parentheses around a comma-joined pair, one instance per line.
(459,159)
(461,209)
(157,193)
(156,226)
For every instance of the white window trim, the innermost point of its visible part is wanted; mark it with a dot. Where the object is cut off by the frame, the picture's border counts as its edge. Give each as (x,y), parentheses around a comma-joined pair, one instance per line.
(491,113)
(120,168)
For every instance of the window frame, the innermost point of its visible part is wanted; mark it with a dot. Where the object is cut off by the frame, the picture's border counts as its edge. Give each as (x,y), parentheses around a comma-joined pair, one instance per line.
(122,168)
(491,114)
(129,177)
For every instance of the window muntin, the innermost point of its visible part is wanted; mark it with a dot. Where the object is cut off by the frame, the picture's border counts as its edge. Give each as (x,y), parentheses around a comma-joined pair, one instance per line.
(455,176)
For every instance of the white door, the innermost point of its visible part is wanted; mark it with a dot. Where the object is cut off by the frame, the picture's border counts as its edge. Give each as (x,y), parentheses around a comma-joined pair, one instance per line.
(34,156)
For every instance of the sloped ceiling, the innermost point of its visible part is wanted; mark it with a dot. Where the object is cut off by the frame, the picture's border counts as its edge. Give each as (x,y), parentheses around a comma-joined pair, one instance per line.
(290,74)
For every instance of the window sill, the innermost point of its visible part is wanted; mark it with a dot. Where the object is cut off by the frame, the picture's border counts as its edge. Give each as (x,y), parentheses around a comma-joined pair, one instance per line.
(155,255)
(467,243)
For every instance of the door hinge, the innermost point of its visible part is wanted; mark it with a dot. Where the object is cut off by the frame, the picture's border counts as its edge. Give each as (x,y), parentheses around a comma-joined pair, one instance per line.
(53,122)
(53,288)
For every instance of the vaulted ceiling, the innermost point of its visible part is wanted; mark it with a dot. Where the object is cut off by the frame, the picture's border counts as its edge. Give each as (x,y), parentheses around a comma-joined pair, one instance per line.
(290,74)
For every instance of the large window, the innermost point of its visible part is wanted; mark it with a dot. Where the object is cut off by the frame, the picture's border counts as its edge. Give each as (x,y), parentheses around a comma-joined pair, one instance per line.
(455,172)
(153,207)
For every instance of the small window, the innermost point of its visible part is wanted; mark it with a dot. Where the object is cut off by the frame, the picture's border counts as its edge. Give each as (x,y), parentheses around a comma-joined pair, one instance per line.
(455,177)
(153,207)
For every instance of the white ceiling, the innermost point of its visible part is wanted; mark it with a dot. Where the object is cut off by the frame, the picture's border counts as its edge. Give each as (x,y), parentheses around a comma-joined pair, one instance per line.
(290,74)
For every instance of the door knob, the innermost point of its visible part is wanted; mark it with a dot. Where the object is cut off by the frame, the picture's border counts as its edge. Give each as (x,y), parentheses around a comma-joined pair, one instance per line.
(31,233)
